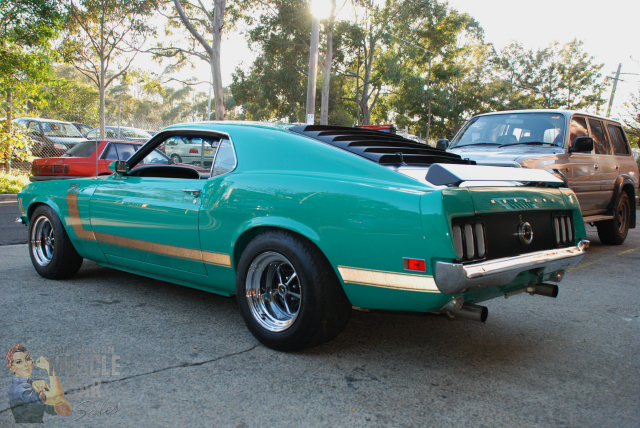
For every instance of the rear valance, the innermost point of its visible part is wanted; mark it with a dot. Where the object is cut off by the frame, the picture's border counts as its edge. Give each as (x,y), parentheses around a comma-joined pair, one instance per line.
(454,175)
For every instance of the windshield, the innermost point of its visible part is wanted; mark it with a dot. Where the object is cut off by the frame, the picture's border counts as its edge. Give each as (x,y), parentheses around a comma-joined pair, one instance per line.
(512,129)
(82,150)
(60,129)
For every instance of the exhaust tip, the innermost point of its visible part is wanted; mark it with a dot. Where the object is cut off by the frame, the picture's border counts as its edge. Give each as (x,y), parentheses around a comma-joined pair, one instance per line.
(549,290)
(472,312)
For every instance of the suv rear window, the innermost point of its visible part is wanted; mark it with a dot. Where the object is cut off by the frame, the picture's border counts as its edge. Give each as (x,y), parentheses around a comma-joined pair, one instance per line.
(620,146)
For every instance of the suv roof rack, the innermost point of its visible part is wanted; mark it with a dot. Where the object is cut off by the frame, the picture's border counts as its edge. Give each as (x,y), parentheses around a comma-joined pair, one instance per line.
(380,147)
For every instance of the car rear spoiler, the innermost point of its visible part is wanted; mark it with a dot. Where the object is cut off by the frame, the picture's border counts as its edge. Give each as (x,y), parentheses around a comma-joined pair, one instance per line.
(455,175)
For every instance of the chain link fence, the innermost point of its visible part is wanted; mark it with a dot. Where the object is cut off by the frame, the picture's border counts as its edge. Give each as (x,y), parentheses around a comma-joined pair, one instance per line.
(35,137)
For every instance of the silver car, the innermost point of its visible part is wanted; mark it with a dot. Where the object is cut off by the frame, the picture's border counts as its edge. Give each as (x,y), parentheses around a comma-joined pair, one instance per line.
(191,150)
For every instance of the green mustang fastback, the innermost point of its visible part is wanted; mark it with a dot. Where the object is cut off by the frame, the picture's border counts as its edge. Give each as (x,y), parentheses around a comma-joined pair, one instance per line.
(304,222)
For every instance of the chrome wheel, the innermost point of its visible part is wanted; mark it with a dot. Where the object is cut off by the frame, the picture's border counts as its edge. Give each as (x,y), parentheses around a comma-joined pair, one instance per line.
(42,241)
(273,291)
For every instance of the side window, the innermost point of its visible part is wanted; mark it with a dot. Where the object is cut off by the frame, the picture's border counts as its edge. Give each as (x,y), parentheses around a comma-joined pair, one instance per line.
(225,159)
(33,127)
(110,153)
(578,129)
(125,151)
(600,140)
(620,145)
(173,141)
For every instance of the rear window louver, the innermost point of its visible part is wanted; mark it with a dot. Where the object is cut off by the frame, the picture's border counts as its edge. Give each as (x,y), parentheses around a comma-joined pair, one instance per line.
(380,147)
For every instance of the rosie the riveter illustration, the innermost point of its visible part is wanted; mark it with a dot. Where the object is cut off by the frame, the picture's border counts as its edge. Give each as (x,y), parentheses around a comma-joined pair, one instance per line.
(29,400)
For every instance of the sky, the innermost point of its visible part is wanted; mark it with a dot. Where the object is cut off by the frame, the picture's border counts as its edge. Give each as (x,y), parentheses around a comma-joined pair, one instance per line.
(608,30)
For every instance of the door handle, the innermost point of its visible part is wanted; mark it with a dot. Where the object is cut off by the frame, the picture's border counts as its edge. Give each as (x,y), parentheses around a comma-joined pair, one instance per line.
(193,192)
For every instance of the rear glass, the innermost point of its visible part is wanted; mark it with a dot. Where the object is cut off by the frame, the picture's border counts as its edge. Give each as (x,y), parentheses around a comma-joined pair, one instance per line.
(620,146)
(82,150)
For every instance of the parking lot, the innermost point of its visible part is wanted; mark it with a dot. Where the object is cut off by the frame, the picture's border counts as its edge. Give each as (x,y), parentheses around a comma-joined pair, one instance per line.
(133,351)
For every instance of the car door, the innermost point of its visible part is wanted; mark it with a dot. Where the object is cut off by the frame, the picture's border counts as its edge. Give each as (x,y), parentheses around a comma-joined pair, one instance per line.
(150,224)
(605,166)
(581,175)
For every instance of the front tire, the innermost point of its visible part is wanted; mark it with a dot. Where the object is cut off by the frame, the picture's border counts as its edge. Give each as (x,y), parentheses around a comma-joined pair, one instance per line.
(614,232)
(52,254)
(288,294)
(176,158)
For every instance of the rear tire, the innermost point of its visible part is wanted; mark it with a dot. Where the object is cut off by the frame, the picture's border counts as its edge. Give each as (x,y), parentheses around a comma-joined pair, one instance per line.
(614,232)
(288,294)
(52,254)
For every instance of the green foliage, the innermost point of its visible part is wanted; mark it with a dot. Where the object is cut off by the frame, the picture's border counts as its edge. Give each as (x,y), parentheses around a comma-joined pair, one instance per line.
(12,183)
(26,28)
(275,86)
(559,76)
(633,123)
(14,144)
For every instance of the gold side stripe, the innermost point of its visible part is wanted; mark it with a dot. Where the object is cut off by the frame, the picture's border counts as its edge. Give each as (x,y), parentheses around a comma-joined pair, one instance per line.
(219,259)
(74,218)
(396,281)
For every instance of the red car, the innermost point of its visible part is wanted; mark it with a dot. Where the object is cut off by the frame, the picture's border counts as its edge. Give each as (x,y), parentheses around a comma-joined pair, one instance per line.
(80,161)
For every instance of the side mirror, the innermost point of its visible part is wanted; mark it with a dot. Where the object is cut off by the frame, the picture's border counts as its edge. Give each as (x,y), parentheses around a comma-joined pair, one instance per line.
(582,144)
(120,167)
(442,144)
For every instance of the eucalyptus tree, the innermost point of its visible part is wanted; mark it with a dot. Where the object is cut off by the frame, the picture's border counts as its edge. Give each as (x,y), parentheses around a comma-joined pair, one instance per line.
(104,37)
(441,56)
(205,24)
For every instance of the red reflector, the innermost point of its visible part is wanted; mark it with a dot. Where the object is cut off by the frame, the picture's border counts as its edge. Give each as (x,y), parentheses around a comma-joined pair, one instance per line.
(193,151)
(415,264)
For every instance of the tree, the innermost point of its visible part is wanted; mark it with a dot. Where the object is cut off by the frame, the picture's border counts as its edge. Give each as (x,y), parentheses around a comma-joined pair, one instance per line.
(200,22)
(633,122)
(554,77)
(103,39)
(275,85)
(26,28)
(440,71)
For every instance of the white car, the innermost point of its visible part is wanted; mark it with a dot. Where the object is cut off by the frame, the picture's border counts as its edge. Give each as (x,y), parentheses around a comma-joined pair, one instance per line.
(191,150)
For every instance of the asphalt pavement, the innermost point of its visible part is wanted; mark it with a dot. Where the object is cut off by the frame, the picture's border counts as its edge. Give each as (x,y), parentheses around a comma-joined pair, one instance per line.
(10,231)
(132,351)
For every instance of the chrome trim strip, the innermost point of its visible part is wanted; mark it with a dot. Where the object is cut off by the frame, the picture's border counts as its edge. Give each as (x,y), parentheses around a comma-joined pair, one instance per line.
(392,280)
(454,278)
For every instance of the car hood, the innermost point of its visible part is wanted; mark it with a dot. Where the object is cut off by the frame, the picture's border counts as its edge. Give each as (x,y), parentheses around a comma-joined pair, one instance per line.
(503,156)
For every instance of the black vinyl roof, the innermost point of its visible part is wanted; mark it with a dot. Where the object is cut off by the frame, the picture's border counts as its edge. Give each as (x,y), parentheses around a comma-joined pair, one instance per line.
(381,147)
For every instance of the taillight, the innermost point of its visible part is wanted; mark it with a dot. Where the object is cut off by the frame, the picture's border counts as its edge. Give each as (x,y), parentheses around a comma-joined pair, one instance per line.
(49,169)
(469,240)
(563,227)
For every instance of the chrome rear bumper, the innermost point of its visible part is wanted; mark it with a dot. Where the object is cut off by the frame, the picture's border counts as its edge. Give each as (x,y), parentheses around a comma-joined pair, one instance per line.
(455,278)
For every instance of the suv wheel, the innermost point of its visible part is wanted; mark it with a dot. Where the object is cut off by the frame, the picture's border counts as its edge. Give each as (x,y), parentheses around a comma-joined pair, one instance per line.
(614,232)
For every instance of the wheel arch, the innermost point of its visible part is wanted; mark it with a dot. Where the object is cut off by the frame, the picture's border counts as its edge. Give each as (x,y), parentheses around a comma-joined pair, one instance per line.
(624,183)
(259,226)
(39,202)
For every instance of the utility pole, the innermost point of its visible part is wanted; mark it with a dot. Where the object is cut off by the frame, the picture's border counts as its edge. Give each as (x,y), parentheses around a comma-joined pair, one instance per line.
(615,84)
(613,89)
(313,70)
